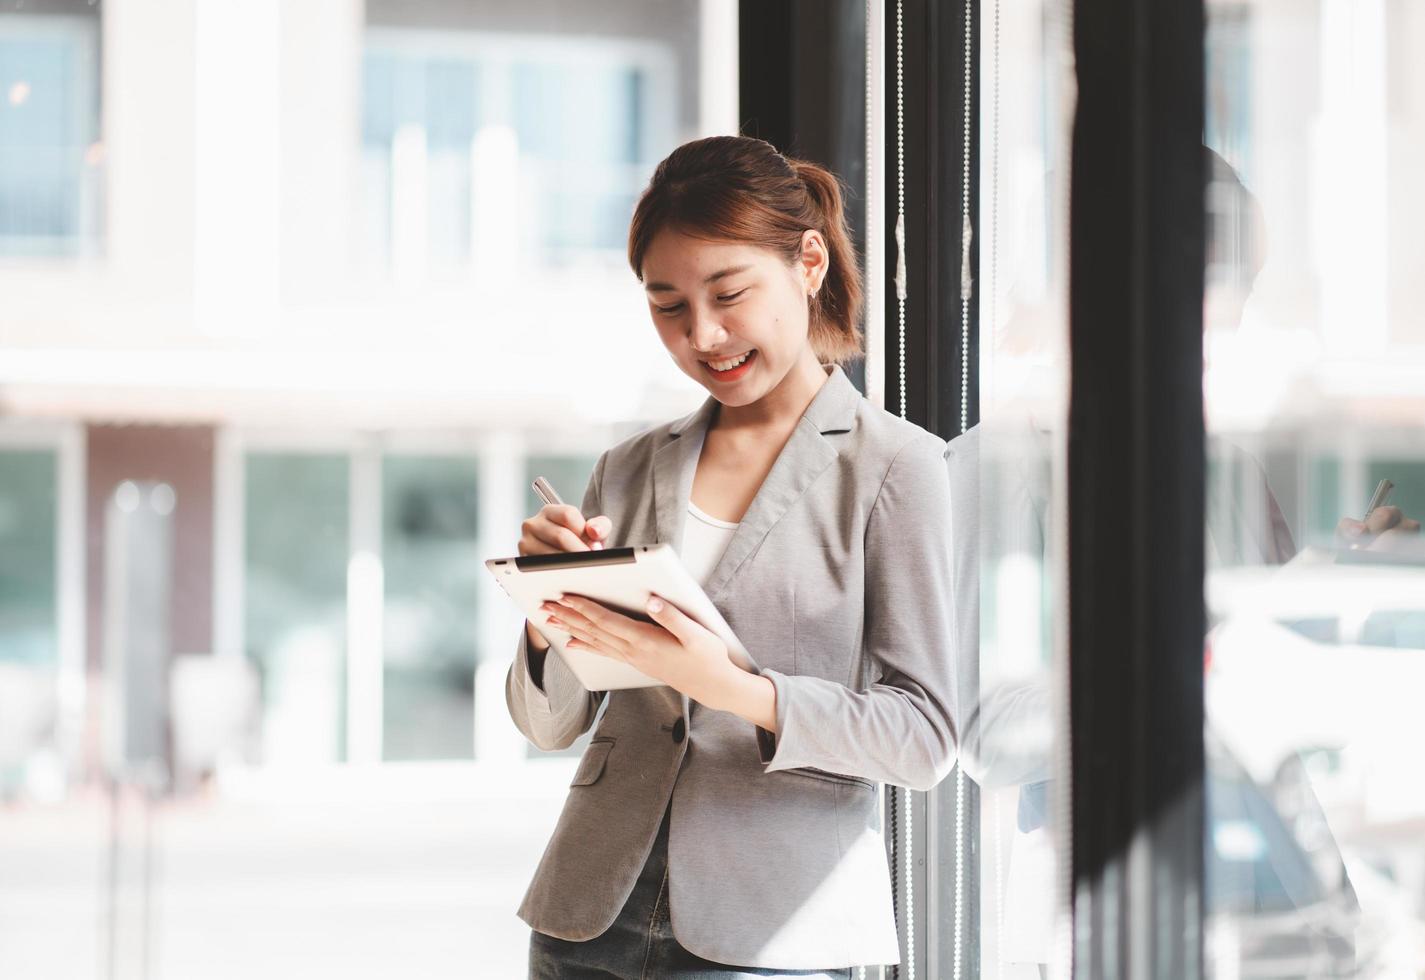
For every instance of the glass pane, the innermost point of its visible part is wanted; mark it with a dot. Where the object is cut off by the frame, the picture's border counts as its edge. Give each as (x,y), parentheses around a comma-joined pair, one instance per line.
(295,583)
(1007,474)
(28,604)
(48,133)
(1314,378)
(432,573)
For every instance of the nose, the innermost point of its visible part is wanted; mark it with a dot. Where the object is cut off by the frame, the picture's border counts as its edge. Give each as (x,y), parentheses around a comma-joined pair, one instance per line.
(705,333)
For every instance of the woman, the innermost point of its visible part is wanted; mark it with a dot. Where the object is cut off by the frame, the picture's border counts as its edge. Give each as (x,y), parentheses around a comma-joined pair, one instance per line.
(727,824)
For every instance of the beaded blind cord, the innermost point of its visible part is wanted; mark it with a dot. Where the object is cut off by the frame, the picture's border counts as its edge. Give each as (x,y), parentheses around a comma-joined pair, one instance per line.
(902,839)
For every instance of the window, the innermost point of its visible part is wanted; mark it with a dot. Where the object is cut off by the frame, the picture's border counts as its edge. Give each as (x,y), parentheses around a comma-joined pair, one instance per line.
(433,569)
(51,179)
(296,554)
(1313,380)
(473,148)
(28,558)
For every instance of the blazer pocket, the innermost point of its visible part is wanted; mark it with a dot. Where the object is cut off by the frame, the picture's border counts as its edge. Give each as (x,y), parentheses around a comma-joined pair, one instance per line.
(591,766)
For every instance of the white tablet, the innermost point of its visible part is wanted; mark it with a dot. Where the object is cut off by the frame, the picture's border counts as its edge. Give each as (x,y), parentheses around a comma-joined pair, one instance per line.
(622,579)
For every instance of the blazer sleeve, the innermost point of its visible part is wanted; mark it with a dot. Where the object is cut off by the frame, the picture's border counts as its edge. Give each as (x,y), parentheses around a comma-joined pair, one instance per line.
(554,715)
(902,729)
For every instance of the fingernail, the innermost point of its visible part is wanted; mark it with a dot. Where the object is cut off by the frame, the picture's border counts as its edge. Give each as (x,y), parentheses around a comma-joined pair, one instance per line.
(655,605)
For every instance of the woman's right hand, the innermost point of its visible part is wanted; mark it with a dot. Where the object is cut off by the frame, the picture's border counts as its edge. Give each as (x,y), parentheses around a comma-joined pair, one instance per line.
(1385,529)
(556,529)
(561,528)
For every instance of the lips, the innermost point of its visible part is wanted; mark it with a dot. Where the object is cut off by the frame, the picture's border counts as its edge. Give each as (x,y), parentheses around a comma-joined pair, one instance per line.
(733,373)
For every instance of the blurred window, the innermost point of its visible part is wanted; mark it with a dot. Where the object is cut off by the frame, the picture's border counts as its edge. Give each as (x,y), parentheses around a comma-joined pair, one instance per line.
(1318,629)
(1408,475)
(1402,628)
(432,572)
(569,475)
(435,99)
(49,124)
(1324,492)
(295,588)
(1313,368)
(1254,864)
(28,512)
(438,119)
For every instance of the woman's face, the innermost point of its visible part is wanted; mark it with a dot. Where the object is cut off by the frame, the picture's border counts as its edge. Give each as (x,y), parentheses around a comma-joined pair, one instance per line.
(733,316)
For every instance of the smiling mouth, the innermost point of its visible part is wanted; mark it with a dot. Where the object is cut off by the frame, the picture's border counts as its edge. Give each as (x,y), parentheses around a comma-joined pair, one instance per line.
(732,368)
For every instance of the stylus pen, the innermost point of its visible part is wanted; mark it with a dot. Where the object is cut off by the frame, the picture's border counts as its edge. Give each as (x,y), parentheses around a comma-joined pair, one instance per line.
(547,494)
(1378,499)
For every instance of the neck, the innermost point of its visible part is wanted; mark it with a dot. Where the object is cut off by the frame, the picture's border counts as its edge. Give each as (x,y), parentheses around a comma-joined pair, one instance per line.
(781,407)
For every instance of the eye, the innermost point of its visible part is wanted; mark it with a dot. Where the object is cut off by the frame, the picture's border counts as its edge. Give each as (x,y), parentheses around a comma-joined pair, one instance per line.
(732,296)
(668,310)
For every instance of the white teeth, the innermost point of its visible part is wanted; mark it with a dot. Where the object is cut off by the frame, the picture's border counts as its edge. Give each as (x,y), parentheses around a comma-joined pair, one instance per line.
(729,365)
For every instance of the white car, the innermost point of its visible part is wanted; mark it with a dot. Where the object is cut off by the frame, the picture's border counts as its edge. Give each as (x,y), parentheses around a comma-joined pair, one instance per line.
(1316,681)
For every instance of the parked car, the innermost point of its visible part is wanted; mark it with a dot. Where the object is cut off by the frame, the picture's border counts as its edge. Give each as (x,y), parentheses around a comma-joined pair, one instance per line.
(1315,680)
(1278,911)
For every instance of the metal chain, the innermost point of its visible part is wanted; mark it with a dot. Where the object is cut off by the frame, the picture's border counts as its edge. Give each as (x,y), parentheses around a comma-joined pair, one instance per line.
(900,197)
(872,62)
(902,842)
(967,286)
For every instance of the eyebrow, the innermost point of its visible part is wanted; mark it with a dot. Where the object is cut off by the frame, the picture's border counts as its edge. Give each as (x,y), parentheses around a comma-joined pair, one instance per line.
(663,287)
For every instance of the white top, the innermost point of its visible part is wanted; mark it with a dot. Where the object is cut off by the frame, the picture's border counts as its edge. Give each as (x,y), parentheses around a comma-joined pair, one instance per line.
(705,538)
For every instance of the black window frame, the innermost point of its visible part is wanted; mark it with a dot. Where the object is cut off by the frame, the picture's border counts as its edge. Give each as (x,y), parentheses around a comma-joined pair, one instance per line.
(1136,464)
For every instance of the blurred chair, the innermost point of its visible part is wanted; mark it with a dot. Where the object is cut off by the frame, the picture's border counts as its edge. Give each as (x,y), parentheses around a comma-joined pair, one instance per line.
(214,702)
(28,706)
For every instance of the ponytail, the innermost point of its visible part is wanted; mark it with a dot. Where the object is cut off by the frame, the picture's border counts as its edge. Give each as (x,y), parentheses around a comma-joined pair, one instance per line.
(836,308)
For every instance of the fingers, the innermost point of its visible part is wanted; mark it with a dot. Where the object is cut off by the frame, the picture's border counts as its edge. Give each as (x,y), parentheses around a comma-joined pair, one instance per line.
(1403,538)
(1349,527)
(556,528)
(1382,519)
(1380,530)
(565,515)
(597,619)
(672,619)
(577,632)
(598,529)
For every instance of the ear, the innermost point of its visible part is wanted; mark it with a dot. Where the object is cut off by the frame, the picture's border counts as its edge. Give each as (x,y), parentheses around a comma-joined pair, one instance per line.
(815,261)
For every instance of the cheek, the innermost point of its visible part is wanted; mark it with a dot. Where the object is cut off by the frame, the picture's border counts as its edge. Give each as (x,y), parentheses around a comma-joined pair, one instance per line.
(670,335)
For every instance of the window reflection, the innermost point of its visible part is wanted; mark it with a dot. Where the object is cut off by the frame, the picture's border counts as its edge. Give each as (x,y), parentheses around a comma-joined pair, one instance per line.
(1312,379)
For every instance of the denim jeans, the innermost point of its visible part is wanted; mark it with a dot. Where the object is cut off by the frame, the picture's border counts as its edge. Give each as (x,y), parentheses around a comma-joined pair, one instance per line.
(640,944)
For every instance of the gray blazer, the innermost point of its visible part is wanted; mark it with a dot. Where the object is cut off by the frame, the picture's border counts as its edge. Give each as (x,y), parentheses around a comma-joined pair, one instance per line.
(838,581)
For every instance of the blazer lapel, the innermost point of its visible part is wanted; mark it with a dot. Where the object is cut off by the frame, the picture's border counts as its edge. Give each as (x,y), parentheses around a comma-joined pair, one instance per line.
(803,459)
(674,464)
(805,456)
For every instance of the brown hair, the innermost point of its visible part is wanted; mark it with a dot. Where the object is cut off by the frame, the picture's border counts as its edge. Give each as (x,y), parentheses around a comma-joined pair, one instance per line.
(740,189)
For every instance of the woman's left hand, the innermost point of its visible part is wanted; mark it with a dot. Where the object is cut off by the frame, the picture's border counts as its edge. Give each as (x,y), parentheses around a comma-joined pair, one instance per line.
(673,648)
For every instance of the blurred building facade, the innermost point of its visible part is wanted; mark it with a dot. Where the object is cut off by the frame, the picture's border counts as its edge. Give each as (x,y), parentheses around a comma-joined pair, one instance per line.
(312,268)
